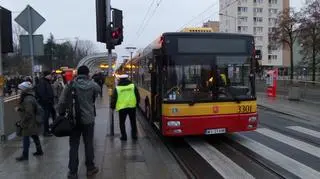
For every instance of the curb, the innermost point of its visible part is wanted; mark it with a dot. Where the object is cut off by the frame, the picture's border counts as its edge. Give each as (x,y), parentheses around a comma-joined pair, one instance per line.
(281,112)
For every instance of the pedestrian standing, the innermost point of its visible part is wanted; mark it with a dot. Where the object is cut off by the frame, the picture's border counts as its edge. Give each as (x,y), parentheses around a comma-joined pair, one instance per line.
(45,96)
(83,91)
(28,124)
(125,99)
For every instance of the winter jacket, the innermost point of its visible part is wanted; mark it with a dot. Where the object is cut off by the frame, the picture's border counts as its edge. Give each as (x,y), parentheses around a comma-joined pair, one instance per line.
(86,91)
(27,113)
(44,92)
(114,97)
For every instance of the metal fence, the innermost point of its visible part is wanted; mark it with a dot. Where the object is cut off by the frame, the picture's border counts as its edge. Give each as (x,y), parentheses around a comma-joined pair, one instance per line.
(308,90)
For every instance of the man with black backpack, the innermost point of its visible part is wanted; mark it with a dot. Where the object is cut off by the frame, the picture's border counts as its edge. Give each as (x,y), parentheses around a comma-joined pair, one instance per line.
(78,96)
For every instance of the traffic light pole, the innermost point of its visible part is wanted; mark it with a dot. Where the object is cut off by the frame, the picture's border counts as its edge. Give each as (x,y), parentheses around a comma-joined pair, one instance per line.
(108,19)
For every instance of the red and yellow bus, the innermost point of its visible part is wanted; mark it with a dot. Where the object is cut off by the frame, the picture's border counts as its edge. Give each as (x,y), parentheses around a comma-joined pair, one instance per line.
(198,83)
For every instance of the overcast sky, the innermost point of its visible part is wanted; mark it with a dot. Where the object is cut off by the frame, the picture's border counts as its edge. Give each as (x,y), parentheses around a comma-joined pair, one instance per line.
(76,18)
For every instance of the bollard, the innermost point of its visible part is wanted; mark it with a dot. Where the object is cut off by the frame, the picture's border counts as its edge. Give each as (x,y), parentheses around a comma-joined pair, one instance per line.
(111,122)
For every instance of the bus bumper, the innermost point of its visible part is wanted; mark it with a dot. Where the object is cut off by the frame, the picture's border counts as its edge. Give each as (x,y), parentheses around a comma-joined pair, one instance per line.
(202,125)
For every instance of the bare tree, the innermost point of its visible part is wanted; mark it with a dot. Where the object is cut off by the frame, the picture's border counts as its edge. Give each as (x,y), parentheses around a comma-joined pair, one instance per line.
(83,48)
(310,33)
(17,30)
(286,32)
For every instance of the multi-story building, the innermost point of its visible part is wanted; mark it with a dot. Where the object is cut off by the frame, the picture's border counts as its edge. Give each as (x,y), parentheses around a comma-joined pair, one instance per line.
(214,25)
(256,17)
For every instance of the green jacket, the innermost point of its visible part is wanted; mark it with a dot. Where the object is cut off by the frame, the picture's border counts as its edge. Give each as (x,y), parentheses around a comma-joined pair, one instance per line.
(27,113)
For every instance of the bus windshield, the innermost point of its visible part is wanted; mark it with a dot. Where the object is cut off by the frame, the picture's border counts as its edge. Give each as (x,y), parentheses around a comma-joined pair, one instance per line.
(197,78)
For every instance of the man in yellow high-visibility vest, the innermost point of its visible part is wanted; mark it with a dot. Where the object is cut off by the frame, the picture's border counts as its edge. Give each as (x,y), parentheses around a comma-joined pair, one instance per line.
(125,99)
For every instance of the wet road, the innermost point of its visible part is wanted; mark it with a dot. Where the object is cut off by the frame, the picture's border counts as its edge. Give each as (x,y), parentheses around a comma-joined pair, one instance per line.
(282,147)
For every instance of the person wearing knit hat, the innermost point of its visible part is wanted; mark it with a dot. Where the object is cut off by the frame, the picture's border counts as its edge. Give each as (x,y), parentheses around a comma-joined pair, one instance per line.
(85,92)
(28,124)
(25,86)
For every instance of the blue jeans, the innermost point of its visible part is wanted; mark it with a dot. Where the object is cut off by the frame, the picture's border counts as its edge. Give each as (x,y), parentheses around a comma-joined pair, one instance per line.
(26,144)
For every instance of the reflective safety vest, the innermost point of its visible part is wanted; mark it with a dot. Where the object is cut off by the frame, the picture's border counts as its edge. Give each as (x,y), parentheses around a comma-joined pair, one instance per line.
(126,97)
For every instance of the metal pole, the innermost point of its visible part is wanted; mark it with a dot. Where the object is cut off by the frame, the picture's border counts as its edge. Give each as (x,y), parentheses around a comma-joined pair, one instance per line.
(131,71)
(1,93)
(31,44)
(108,19)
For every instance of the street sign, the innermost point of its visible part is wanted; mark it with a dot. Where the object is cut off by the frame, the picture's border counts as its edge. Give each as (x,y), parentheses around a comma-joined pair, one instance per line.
(29,16)
(38,48)
(37,69)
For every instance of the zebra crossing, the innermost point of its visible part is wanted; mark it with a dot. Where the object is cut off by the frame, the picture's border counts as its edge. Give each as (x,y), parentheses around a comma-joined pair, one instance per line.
(230,169)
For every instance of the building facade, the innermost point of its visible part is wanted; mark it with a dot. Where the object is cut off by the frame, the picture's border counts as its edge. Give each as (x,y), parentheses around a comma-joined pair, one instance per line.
(214,25)
(256,17)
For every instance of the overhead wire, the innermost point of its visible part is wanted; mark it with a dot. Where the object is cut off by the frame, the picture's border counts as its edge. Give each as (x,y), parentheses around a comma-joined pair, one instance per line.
(231,3)
(145,17)
(222,8)
(150,17)
(201,13)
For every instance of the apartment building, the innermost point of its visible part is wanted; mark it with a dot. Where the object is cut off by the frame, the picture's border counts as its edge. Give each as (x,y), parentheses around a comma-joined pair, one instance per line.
(214,25)
(256,17)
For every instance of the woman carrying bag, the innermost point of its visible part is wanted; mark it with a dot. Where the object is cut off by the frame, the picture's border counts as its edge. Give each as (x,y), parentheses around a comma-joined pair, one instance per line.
(28,124)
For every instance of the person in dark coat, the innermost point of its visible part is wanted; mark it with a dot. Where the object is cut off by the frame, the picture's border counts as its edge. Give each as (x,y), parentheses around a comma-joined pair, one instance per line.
(45,96)
(28,123)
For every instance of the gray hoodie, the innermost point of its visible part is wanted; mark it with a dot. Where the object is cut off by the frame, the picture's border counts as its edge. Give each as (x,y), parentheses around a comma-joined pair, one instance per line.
(86,92)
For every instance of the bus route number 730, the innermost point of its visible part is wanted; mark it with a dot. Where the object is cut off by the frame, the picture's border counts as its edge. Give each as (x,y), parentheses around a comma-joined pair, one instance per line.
(245,109)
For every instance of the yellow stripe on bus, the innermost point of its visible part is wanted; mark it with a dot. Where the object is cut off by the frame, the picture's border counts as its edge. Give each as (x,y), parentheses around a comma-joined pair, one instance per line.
(202,109)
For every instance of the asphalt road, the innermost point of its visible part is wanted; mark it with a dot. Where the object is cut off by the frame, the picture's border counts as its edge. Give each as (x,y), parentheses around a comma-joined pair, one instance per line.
(282,147)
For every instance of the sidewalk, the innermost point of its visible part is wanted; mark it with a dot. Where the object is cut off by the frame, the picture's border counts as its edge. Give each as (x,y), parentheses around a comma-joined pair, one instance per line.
(145,158)
(299,109)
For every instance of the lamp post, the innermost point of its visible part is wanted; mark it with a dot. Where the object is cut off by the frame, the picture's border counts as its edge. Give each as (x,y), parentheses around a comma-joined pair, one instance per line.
(235,20)
(131,49)
(125,57)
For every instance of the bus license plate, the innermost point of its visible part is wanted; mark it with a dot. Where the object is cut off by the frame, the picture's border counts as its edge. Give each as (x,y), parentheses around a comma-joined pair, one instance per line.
(215,131)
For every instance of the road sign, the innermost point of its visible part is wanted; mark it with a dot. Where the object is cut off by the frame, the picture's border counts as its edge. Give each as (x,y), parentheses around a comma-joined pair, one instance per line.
(37,69)
(37,40)
(27,15)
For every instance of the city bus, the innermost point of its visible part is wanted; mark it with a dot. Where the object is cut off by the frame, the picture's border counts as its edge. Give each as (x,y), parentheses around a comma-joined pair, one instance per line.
(198,83)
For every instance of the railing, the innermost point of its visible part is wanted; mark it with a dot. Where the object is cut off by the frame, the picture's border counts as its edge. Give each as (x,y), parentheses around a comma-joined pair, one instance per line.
(10,117)
(310,91)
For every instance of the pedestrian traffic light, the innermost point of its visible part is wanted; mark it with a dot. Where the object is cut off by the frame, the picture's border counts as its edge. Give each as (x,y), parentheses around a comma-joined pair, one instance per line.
(117,36)
(117,27)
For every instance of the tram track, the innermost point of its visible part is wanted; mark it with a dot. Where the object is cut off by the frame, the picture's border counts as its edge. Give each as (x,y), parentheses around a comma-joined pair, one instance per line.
(195,166)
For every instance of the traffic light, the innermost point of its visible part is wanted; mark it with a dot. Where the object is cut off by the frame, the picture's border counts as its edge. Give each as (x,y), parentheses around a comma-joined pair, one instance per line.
(5,31)
(117,27)
(117,36)
(101,20)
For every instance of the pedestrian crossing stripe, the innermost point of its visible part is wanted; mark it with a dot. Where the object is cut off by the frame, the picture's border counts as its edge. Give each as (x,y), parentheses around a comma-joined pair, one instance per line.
(222,164)
(303,146)
(277,158)
(303,130)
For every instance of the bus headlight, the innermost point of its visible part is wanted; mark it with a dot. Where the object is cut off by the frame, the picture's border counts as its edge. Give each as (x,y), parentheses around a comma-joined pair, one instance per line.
(173,123)
(252,119)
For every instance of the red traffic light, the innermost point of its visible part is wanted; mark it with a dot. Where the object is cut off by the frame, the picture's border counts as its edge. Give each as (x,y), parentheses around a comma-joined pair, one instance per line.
(116,33)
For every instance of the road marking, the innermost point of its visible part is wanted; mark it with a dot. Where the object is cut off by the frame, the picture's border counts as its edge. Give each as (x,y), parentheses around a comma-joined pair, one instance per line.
(313,150)
(305,131)
(226,167)
(11,98)
(277,158)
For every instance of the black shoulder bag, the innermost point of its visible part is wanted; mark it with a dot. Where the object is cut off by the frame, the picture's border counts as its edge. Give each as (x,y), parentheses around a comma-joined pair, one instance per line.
(64,125)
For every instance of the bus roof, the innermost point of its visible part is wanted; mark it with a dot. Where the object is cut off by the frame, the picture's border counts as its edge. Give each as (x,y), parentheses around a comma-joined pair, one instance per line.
(157,43)
(197,29)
